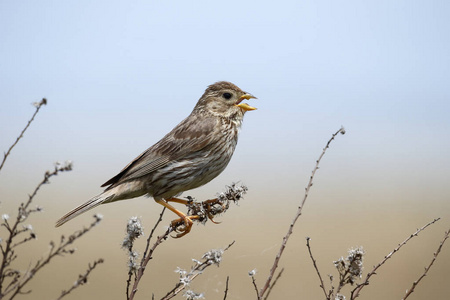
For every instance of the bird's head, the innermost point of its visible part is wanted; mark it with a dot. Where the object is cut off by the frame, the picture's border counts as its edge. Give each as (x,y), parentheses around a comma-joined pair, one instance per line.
(225,99)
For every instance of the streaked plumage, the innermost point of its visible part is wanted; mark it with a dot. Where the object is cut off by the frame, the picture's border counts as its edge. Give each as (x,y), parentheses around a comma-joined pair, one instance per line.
(192,154)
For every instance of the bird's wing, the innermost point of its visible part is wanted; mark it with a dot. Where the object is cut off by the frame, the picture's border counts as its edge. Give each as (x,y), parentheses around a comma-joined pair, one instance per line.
(191,135)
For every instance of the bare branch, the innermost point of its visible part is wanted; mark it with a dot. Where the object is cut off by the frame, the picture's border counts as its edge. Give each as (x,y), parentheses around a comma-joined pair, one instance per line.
(274,283)
(258,296)
(8,254)
(145,261)
(322,285)
(38,106)
(55,251)
(435,255)
(226,288)
(298,214)
(82,278)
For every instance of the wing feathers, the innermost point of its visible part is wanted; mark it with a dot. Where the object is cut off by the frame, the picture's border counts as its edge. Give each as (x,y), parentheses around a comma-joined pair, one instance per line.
(191,135)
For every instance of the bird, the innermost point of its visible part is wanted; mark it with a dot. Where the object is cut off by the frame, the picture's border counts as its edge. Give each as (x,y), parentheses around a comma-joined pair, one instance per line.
(196,151)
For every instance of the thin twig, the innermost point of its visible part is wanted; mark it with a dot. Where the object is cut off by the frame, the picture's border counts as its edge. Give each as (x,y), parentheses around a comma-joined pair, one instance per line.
(298,214)
(226,288)
(147,246)
(13,229)
(196,271)
(38,106)
(273,284)
(258,296)
(144,261)
(55,251)
(435,255)
(82,278)
(355,292)
(322,285)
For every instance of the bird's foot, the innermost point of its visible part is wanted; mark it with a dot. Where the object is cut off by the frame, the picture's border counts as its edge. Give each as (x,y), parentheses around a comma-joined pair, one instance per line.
(210,212)
(214,207)
(183,225)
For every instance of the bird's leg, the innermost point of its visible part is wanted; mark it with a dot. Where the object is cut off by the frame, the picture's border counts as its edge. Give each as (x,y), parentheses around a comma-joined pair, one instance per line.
(207,203)
(211,212)
(178,200)
(187,220)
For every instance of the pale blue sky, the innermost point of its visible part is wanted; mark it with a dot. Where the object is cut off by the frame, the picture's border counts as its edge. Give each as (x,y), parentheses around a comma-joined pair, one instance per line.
(118,75)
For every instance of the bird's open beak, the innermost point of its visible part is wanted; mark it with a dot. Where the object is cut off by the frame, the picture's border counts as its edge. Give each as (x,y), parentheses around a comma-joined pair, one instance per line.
(245,106)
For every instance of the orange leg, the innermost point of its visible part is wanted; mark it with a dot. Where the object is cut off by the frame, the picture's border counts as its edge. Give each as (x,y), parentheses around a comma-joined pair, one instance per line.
(187,220)
(209,203)
(178,200)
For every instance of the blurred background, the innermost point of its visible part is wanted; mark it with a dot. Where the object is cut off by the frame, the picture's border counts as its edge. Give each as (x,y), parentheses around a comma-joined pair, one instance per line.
(119,75)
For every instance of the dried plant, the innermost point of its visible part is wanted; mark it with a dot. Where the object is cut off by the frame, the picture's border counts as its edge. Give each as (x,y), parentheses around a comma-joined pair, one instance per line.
(272,271)
(82,278)
(38,106)
(435,255)
(356,291)
(212,257)
(203,211)
(350,268)
(19,233)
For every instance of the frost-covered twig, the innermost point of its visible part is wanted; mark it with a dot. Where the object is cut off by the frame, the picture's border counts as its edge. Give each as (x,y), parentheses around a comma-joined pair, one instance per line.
(212,257)
(38,106)
(435,255)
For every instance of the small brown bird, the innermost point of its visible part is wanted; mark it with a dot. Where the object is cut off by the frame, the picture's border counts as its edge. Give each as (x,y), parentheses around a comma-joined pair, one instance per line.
(196,151)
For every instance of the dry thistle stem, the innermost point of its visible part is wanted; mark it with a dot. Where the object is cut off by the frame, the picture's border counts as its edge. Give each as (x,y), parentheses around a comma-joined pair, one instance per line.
(133,232)
(351,267)
(12,280)
(191,295)
(212,257)
(210,208)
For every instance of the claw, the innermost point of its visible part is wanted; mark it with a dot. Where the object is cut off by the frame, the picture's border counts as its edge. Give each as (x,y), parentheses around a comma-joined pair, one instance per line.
(186,221)
(209,204)
(211,218)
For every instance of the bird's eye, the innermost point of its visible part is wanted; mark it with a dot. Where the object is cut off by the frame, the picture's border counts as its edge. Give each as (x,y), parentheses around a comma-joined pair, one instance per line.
(227,95)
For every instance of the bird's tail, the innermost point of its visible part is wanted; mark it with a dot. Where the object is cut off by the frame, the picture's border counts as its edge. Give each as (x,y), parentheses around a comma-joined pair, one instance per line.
(104,197)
